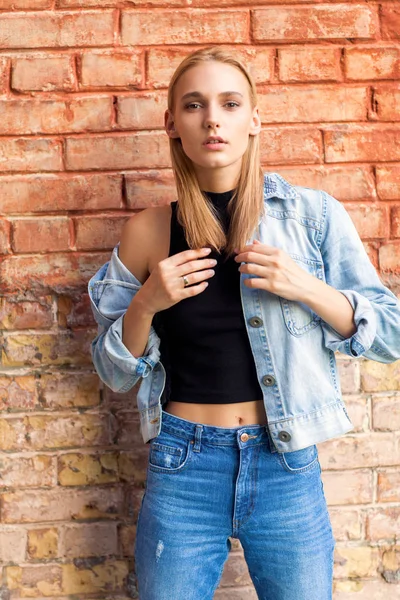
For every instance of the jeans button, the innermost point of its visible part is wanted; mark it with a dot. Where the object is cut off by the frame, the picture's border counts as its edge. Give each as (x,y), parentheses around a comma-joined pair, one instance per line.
(284,436)
(244,437)
(255,322)
(268,380)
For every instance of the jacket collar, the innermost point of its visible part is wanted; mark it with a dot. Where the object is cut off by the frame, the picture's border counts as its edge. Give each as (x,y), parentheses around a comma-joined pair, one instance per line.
(276,186)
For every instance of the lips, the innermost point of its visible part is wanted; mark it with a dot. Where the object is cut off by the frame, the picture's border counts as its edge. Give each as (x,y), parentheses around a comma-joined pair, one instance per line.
(214,139)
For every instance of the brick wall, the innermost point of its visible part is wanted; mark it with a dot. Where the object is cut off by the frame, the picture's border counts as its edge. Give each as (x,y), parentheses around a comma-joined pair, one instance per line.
(82,94)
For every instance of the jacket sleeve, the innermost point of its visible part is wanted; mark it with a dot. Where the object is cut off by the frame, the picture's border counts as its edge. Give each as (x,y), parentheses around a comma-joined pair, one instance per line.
(349,270)
(111,291)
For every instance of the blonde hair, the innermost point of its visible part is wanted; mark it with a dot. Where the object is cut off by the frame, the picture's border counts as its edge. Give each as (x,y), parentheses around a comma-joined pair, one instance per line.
(195,212)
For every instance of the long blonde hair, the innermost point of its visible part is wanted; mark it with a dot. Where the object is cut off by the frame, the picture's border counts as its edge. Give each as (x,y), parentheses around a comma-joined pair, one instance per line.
(195,212)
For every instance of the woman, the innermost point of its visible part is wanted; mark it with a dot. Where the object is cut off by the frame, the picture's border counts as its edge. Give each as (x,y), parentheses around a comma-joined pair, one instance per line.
(229,304)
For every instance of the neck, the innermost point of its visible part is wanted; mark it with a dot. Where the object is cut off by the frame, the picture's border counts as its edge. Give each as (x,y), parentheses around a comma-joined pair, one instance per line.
(218,180)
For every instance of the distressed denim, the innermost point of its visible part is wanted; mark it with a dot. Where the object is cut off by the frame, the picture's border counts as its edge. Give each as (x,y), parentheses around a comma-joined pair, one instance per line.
(206,484)
(293,348)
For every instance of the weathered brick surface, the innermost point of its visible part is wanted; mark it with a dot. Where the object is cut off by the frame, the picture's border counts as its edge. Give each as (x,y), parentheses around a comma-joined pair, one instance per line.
(335,21)
(43,74)
(82,99)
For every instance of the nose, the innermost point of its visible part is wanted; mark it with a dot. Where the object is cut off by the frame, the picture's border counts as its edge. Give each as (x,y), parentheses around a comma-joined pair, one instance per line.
(211,119)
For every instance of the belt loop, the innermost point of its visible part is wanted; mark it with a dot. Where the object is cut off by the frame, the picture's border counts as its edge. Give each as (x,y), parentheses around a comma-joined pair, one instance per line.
(270,441)
(197,438)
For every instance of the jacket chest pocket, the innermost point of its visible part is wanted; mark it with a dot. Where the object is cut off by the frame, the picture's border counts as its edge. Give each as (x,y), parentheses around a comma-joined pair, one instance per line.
(298,317)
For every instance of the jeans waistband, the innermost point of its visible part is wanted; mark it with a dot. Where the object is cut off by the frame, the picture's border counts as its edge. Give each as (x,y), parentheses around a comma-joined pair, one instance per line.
(243,435)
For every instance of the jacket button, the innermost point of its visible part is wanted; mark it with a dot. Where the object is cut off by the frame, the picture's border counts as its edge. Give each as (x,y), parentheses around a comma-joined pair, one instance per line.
(268,380)
(255,322)
(284,436)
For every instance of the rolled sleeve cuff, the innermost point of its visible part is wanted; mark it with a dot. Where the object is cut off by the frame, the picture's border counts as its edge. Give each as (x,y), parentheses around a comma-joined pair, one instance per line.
(119,354)
(365,321)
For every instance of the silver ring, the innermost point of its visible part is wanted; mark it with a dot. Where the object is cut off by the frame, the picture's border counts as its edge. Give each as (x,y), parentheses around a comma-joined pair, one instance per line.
(185,280)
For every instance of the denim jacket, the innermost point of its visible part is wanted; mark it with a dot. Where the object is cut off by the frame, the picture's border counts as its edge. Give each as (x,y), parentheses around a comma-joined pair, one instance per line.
(293,348)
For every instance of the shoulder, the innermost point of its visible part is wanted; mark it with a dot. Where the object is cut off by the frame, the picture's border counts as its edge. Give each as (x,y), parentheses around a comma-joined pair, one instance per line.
(140,235)
(283,198)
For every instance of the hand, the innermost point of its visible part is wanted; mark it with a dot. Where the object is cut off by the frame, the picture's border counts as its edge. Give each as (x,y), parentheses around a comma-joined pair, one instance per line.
(165,286)
(276,271)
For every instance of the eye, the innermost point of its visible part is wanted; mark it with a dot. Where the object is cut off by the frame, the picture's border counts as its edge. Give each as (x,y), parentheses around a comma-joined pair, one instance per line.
(232,104)
(192,105)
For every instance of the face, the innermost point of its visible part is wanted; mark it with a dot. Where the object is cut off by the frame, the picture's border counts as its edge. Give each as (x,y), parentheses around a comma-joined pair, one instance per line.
(212,100)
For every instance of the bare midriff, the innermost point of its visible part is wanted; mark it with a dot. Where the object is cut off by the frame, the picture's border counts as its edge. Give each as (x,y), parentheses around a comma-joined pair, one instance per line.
(220,415)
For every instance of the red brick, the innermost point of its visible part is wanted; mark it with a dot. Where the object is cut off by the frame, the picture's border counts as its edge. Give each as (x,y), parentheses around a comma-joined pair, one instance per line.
(142,112)
(284,145)
(371,249)
(18,393)
(57,29)
(46,432)
(28,4)
(94,539)
(30,154)
(386,413)
(346,524)
(372,63)
(12,545)
(57,272)
(75,311)
(162,62)
(342,182)
(45,193)
(100,232)
(27,506)
(3,75)
(61,348)
(339,21)
(54,116)
(34,471)
(388,486)
(358,409)
(349,372)
(296,104)
(389,257)
(383,523)
(25,314)
(387,100)
(69,390)
(149,188)
(43,73)
(4,237)
(41,235)
(111,70)
(360,451)
(395,221)
(371,220)
(103,3)
(148,150)
(310,63)
(182,27)
(388,182)
(362,143)
(390,21)
(348,487)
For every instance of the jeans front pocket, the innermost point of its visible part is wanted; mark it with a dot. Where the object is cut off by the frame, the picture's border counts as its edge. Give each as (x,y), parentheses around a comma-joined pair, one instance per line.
(169,453)
(299,461)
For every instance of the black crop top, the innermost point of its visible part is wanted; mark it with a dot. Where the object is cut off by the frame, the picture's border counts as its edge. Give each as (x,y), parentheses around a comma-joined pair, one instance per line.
(203,338)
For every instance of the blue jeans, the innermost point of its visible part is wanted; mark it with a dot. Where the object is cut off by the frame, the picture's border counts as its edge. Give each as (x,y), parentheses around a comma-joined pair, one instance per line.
(206,484)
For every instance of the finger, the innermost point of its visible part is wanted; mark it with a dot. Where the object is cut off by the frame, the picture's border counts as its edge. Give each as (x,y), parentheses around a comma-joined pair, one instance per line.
(258,247)
(195,265)
(186,255)
(196,277)
(256,257)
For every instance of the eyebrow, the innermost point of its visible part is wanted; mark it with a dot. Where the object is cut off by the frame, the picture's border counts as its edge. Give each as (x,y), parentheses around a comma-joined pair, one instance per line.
(199,95)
